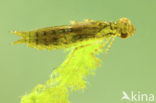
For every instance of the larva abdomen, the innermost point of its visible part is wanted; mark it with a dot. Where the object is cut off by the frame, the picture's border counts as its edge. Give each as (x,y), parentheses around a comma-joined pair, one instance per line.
(44,38)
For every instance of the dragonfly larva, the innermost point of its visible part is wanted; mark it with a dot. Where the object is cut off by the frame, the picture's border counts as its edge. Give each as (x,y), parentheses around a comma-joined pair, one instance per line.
(67,36)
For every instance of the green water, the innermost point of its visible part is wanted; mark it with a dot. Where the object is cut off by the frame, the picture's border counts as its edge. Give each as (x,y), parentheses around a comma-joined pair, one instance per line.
(130,65)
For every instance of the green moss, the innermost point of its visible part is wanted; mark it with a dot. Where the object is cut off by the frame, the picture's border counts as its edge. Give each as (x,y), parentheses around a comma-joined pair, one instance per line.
(70,76)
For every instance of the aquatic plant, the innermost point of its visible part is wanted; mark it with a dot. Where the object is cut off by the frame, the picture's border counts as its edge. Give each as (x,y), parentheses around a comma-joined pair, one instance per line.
(70,76)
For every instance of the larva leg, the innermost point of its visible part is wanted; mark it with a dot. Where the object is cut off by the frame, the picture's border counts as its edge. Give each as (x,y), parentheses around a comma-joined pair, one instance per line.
(71,55)
(95,50)
(109,46)
(73,52)
(95,58)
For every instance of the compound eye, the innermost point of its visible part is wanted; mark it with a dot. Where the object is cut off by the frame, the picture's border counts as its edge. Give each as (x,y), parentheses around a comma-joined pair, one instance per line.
(124,35)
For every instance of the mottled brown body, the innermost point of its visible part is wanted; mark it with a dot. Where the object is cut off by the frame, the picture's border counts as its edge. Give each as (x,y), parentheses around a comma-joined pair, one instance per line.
(64,35)
(70,35)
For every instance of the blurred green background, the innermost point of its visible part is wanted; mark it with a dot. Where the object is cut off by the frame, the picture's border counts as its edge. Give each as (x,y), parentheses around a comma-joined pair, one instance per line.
(130,65)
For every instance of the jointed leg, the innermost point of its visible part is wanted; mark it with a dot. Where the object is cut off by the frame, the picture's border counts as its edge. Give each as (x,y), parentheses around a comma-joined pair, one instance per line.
(106,49)
(95,50)
(73,52)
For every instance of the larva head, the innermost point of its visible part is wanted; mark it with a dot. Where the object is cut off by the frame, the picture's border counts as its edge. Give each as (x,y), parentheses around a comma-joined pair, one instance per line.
(126,29)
